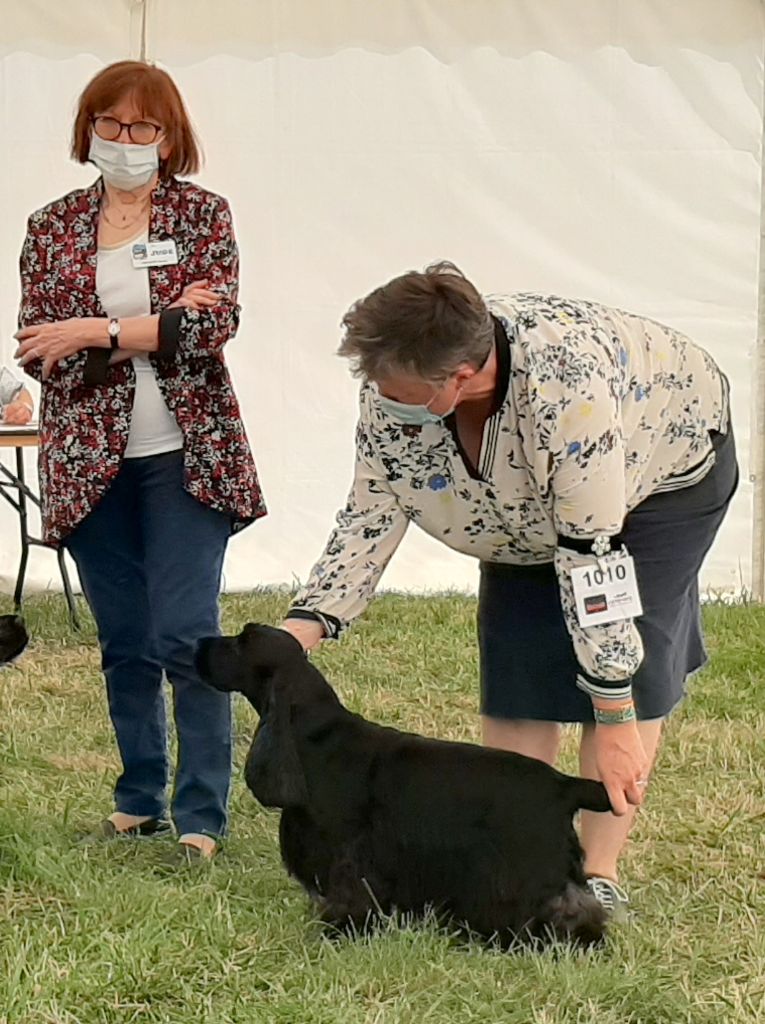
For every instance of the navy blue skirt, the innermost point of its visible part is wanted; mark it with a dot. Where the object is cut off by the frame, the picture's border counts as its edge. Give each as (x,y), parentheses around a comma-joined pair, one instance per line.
(528,665)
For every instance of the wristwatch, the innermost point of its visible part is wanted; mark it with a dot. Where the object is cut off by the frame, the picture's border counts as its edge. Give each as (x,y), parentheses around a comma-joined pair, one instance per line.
(114,332)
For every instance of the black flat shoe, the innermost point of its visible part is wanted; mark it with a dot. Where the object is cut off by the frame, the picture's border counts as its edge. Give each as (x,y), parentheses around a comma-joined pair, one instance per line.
(106,830)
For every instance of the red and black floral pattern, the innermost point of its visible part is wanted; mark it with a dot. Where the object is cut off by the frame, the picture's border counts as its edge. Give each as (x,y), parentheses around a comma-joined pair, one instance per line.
(84,429)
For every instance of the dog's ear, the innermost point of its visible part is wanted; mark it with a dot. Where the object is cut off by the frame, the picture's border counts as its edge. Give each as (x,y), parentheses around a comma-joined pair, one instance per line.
(273,771)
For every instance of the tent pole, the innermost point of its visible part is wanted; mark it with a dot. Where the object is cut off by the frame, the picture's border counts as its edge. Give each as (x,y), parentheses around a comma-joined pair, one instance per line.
(139,29)
(144,25)
(757,458)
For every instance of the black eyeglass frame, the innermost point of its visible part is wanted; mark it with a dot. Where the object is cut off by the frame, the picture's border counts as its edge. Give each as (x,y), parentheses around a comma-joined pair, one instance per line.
(106,117)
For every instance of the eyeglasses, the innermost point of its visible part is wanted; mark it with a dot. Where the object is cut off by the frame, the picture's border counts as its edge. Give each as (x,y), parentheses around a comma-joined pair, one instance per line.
(142,133)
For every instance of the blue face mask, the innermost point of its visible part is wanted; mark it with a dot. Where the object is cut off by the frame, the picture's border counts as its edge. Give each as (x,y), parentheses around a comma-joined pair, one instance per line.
(415,415)
(411,415)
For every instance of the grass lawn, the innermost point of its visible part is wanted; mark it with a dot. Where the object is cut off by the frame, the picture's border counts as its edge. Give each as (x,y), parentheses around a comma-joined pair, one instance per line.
(102,934)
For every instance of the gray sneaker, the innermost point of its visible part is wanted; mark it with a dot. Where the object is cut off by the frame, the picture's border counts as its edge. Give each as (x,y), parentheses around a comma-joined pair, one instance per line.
(610,896)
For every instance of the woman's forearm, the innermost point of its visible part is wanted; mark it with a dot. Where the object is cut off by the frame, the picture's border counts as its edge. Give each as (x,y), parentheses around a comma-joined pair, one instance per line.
(137,333)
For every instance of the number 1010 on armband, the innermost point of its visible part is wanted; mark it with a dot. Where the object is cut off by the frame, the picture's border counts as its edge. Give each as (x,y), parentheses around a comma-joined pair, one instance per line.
(606,592)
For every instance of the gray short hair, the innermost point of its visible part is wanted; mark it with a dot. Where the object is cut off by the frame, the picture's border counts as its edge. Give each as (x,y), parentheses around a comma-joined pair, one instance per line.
(422,323)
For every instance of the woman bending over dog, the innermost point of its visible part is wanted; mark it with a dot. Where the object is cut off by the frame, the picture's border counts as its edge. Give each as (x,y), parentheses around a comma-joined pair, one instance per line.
(584,456)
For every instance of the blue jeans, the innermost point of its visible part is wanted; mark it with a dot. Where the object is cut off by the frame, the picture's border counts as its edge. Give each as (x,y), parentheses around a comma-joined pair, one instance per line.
(149,558)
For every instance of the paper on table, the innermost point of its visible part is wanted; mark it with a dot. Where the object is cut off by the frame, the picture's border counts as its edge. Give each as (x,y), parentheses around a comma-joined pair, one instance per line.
(11,428)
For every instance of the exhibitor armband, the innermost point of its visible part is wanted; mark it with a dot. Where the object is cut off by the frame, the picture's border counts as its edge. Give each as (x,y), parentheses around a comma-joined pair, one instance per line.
(605,590)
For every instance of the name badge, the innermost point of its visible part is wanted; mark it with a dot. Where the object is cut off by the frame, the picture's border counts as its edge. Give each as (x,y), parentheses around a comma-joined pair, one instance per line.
(154,254)
(606,591)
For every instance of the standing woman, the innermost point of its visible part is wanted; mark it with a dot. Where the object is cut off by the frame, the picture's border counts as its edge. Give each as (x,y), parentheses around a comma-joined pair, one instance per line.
(129,294)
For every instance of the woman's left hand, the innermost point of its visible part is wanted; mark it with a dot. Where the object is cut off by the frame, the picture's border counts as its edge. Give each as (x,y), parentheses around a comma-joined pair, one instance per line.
(55,341)
(198,295)
(622,764)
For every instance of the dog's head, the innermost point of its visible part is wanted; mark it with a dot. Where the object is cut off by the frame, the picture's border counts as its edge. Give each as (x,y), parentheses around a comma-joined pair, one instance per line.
(247,663)
(13,638)
(271,669)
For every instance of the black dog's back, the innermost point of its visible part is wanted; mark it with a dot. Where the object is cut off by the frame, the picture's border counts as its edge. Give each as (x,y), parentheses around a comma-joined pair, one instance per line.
(483,836)
(493,834)
(377,820)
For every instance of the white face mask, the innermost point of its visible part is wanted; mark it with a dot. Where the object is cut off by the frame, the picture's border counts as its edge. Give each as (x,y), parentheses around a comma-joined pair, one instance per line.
(125,166)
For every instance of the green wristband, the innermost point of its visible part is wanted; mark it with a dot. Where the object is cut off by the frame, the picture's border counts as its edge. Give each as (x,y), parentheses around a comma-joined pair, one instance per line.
(616,717)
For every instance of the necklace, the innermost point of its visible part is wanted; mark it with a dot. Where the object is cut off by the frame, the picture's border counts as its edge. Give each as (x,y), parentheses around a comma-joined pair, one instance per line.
(125,223)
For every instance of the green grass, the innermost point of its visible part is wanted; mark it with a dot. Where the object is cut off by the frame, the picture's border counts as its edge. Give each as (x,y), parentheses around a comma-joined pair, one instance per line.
(90,935)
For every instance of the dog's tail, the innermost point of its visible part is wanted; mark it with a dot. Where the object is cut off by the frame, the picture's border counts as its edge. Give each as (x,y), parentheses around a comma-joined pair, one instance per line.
(575,916)
(587,795)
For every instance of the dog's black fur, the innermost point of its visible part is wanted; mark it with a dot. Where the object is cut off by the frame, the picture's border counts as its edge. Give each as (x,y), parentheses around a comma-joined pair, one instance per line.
(13,638)
(376,820)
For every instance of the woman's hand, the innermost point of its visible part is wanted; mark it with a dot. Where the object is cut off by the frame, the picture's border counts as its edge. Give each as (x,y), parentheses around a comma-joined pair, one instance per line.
(54,341)
(17,413)
(307,632)
(197,295)
(622,764)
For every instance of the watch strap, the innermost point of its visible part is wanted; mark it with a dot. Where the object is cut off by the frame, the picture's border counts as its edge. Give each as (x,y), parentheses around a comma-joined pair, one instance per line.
(114,332)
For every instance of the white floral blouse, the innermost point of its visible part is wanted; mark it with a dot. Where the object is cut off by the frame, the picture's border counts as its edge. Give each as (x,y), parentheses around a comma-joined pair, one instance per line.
(595,410)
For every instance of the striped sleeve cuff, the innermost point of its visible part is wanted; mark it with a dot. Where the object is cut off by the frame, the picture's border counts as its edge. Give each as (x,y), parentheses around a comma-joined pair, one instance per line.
(331,625)
(602,689)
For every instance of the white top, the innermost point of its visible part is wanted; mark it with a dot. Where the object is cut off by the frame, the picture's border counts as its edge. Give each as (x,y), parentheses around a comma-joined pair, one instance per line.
(595,410)
(124,291)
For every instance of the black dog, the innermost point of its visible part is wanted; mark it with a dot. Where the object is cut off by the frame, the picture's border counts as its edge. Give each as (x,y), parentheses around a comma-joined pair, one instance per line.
(376,820)
(13,638)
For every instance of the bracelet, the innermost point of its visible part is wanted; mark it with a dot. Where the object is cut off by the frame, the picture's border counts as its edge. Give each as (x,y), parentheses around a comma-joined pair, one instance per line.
(616,716)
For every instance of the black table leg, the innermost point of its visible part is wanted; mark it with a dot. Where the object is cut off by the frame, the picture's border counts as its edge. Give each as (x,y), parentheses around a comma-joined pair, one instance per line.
(21,508)
(68,593)
(20,503)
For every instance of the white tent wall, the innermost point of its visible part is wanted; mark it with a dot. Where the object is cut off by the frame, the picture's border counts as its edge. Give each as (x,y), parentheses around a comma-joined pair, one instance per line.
(607,149)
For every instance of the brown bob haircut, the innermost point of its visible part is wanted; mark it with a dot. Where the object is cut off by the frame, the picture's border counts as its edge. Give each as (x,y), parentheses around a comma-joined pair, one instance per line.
(425,324)
(156,96)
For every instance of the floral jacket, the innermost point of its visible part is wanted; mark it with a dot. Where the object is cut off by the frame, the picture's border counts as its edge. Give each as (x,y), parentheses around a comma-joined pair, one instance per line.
(84,426)
(595,410)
